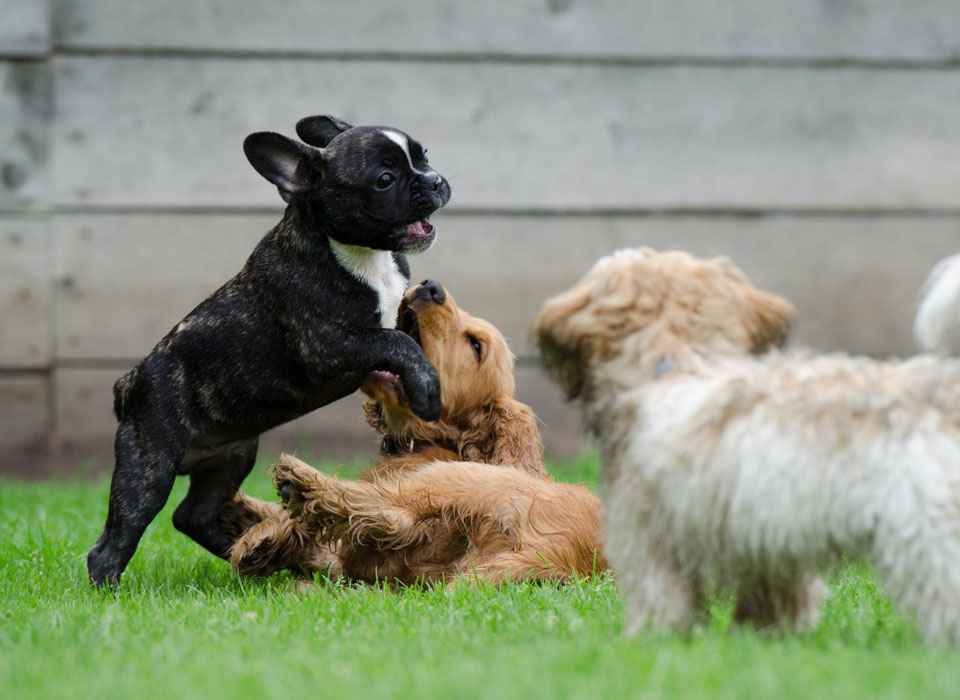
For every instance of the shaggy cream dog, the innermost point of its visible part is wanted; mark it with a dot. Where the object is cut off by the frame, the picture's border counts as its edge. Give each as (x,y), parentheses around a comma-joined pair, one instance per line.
(726,466)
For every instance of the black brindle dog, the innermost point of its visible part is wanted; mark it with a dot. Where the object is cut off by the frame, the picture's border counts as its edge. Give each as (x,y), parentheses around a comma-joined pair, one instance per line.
(306,319)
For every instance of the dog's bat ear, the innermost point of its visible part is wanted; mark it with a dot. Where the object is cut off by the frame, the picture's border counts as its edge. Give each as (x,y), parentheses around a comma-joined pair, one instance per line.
(321,129)
(285,162)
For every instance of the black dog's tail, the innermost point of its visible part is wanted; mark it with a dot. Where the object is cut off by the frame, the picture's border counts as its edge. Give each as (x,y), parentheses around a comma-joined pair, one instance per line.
(122,390)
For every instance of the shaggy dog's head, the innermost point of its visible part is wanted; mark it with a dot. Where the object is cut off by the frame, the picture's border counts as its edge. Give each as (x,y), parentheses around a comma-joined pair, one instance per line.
(481,419)
(647,310)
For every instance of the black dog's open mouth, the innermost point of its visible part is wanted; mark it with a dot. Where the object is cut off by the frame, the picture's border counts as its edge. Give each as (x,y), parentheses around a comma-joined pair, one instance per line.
(417,229)
(420,228)
(416,237)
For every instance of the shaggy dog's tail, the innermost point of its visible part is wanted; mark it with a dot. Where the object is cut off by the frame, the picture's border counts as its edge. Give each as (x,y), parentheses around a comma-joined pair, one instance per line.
(936,326)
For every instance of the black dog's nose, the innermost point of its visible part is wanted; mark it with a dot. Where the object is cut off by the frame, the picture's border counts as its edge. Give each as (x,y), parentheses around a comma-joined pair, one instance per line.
(431,290)
(432,180)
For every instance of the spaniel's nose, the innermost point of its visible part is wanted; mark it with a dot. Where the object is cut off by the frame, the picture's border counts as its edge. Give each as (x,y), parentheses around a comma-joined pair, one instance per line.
(432,291)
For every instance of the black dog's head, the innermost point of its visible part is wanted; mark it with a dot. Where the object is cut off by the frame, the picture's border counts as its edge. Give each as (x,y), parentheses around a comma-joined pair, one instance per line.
(369,185)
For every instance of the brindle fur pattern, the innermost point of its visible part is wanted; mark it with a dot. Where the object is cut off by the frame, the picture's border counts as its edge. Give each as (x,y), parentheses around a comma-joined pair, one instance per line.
(293,331)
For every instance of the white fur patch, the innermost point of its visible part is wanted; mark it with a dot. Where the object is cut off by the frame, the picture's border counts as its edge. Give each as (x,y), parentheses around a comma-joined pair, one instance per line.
(378,270)
(400,140)
(404,144)
(622,254)
(937,323)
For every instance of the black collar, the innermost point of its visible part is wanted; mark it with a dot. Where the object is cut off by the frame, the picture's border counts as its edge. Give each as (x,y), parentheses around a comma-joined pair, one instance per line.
(392,445)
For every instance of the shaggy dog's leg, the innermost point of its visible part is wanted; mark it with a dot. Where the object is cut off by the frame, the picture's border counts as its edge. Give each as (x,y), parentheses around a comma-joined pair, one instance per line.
(509,566)
(400,513)
(658,593)
(278,543)
(242,512)
(789,602)
(919,565)
(348,510)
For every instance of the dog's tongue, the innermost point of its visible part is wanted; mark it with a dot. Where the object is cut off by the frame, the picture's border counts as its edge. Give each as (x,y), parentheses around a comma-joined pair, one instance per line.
(420,228)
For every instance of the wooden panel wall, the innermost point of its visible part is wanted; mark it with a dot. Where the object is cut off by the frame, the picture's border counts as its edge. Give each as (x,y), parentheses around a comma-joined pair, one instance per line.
(26,280)
(817,143)
(167,132)
(769,29)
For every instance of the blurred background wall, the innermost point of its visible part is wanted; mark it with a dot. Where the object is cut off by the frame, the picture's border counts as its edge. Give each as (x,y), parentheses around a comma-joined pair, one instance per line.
(817,142)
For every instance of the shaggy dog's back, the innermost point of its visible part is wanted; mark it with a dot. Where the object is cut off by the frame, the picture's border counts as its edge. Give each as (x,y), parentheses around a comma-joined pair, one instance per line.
(763,470)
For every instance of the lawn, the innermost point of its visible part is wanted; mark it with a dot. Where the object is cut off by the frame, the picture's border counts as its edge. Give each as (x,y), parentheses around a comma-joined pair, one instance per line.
(183,625)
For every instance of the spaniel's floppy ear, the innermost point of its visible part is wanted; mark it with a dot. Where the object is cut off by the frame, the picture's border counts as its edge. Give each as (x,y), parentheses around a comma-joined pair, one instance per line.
(506,433)
(321,129)
(772,319)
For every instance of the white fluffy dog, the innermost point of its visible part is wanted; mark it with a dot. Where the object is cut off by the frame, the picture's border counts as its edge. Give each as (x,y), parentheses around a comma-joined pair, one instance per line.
(727,465)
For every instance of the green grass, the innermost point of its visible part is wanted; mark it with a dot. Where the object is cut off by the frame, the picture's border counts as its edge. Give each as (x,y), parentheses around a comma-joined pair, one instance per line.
(184,626)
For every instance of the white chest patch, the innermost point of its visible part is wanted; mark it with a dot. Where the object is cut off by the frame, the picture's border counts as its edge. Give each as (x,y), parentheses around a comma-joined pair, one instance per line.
(377,270)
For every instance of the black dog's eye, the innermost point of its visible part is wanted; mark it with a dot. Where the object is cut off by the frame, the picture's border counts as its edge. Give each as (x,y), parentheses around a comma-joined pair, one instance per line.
(475,344)
(385,181)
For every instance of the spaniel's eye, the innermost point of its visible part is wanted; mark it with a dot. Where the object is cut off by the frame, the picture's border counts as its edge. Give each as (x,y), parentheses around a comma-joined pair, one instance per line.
(385,181)
(475,344)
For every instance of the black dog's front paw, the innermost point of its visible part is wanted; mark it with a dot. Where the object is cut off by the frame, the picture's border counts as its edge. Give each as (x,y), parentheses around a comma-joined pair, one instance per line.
(425,398)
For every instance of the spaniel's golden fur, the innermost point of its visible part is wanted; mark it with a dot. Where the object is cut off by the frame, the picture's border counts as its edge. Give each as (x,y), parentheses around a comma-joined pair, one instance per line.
(731,465)
(467,494)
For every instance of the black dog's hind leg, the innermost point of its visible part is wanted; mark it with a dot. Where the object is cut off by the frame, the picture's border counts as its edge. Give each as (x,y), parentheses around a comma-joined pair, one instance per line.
(142,479)
(215,476)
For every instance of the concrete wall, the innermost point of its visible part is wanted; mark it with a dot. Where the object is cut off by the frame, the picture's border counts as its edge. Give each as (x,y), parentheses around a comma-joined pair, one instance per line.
(815,142)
